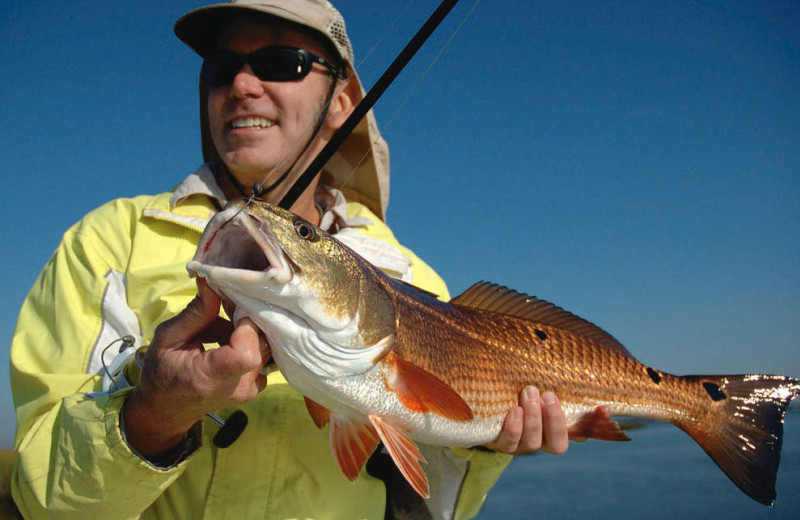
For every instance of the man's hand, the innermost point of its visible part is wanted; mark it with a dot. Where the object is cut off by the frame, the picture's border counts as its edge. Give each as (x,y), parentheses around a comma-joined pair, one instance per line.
(538,423)
(181,381)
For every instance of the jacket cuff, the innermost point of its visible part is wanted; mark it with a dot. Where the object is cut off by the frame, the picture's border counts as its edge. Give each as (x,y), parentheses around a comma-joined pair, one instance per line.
(117,441)
(171,459)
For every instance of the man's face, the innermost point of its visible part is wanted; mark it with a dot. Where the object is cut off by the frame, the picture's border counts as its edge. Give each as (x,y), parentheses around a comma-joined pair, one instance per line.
(259,127)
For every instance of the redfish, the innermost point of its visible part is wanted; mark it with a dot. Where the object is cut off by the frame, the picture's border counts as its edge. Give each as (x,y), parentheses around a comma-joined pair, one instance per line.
(380,361)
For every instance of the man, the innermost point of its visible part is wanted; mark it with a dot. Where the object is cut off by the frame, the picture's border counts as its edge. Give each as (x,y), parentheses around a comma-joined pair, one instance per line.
(278,80)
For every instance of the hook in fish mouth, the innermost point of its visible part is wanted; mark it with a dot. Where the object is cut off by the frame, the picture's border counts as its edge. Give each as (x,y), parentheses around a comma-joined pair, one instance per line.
(239,250)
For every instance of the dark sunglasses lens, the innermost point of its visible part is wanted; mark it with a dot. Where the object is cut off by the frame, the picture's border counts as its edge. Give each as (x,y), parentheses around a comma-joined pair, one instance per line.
(219,68)
(278,64)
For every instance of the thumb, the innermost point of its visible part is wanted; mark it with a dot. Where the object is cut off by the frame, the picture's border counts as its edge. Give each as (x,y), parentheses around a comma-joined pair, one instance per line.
(201,312)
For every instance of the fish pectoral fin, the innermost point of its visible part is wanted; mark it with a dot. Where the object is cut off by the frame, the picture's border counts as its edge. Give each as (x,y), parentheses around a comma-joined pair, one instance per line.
(404,453)
(319,413)
(352,442)
(421,391)
(597,425)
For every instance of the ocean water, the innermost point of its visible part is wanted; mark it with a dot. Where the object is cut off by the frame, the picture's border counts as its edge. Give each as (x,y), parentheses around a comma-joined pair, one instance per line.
(661,474)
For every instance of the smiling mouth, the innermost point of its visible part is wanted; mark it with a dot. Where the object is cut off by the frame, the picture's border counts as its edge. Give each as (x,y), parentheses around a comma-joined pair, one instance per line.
(251,122)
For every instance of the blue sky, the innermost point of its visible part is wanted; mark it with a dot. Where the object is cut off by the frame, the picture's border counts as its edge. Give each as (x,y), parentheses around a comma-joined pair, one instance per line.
(637,163)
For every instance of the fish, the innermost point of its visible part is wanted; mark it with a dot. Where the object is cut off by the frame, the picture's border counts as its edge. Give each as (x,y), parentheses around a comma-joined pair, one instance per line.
(380,361)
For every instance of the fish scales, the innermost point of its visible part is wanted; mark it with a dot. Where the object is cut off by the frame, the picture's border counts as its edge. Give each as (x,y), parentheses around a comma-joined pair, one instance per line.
(382,361)
(489,358)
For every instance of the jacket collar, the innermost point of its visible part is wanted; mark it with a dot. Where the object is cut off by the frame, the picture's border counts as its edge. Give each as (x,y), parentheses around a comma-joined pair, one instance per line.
(201,182)
(195,200)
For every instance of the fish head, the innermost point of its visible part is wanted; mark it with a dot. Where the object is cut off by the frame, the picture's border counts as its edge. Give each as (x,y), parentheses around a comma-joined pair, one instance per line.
(313,297)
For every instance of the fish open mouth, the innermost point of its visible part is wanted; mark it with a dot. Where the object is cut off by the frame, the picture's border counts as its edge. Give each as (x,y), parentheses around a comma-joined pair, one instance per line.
(239,252)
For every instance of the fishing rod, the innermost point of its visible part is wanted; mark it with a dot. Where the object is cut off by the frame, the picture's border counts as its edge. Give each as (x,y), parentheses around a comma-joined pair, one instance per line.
(380,86)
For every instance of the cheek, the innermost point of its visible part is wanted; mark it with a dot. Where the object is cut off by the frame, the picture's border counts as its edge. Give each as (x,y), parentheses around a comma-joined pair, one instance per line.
(300,102)
(216,101)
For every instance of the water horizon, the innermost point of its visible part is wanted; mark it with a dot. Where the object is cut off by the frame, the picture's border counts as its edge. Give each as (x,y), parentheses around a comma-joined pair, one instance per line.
(661,474)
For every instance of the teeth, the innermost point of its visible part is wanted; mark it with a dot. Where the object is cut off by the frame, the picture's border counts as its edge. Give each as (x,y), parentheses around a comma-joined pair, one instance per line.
(252,122)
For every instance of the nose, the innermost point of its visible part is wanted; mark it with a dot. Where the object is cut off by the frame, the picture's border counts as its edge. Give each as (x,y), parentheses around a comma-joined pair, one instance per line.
(246,84)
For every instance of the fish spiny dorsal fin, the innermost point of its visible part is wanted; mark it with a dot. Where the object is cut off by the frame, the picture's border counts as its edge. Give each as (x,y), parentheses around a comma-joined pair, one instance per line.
(492,297)
(415,288)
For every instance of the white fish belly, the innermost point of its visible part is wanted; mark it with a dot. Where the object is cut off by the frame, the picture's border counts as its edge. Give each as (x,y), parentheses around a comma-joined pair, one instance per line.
(367,394)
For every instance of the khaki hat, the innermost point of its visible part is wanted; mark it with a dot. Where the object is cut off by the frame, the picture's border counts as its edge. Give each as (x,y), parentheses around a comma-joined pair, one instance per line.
(360,168)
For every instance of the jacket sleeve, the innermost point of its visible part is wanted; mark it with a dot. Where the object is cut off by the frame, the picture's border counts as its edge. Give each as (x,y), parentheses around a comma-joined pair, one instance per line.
(72,461)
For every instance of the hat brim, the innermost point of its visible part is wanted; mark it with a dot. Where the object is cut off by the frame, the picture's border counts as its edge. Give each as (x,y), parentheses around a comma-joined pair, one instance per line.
(200,28)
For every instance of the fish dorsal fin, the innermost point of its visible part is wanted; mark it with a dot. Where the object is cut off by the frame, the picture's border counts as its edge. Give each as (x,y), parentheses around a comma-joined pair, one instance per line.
(415,288)
(492,297)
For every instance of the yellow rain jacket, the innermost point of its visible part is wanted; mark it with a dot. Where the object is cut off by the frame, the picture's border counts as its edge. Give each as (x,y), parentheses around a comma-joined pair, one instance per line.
(121,270)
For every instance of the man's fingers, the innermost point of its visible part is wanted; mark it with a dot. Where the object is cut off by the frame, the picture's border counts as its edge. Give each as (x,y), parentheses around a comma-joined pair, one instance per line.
(554,424)
(201,312)
(509,437)
(218,331)
(246,351)
(532,421)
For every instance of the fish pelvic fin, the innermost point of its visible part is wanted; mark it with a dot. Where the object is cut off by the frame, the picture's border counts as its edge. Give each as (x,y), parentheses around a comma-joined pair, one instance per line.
(421,391)
(319,413)
(597,425)
(744,432)
(404,453)
(352,442)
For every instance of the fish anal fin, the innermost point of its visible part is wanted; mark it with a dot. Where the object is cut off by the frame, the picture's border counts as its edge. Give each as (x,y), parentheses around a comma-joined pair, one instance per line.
(421,391)
(597,425)
(404,453)
(319,413)
(352,442)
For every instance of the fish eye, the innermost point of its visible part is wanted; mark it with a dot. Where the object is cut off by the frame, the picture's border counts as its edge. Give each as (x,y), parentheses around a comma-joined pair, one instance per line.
(305,230)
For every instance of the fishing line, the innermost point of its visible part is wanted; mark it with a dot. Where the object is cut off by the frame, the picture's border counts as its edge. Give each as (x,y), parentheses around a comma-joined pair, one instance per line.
(336,88)
(367,102)
(258,189)
(380,86)
(377,44)
(411,92)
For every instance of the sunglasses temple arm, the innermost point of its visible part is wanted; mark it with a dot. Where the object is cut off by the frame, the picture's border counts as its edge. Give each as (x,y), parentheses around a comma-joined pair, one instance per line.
(367,103)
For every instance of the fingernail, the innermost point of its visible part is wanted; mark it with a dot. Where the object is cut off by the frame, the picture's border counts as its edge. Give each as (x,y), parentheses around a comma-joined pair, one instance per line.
(531,394)
(549,398)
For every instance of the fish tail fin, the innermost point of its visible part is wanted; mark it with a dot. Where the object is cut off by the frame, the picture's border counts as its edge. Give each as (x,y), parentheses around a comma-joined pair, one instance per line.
(743,430)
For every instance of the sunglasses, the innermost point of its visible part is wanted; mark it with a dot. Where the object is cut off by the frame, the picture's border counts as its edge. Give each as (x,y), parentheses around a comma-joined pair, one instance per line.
(274,63)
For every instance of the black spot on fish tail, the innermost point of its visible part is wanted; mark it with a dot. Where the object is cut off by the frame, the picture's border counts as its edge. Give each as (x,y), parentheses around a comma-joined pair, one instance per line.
(654,375)
(743,429)
(714,391)
(540,334)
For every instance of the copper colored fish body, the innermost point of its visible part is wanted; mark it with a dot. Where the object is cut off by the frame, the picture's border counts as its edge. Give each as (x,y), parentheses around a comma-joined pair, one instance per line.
(381,361)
